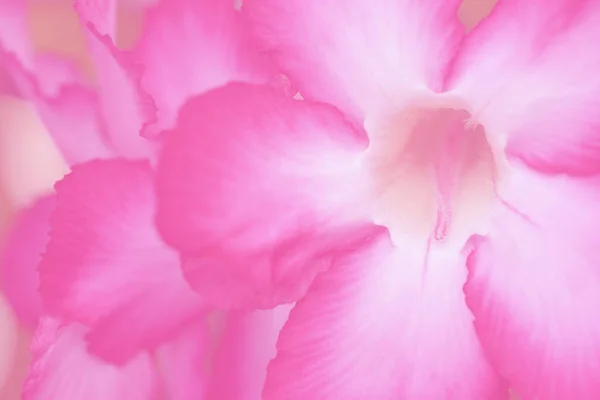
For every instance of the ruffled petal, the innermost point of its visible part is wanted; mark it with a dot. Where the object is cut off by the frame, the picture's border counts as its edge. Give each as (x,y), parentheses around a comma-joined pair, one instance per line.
(22,252)
(124,106)
(534,286)
(191,46)
(359,54)
(246,346)
(388,324)
(183,363)
(62,369)
(529,73)
(259,192)
(105,265)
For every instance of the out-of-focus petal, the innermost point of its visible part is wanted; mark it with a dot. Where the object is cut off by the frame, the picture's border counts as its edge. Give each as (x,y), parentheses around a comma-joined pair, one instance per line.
(124,106)
(68,109)
(190,46)
(260,192)
(14,38)
(183,363)
(62,369)
(8,342)
(387,324)
(534,286)
(22,252)
(530,74)
(358,55)
(247,345)
(105,265)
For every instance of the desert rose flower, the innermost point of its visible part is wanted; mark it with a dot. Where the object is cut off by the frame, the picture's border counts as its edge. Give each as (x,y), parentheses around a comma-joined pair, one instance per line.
(431,205)
(109,293)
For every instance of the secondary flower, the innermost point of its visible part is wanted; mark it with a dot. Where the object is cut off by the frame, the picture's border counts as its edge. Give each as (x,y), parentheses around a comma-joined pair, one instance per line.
(112,291)
(436,222)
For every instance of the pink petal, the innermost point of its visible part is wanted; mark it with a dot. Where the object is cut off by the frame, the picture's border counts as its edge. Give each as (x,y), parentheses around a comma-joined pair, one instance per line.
(62,369)
(246,347)
(68,110)
(534,287)
(356,54)
(529,74)
(191,46)
(105,265)
(124,106)
(22,251)
(182,362)
(388,324)
(14,39)
(260,192)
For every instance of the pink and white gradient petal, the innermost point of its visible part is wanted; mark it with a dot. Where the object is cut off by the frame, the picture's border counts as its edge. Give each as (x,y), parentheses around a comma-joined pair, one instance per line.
(124,106)
(22,251)
(359,55)
(106,266)
(246,346)
(529,75)
(388,324)
(534,286)
(183,363)
(259,192)
(190,46)
(62,369)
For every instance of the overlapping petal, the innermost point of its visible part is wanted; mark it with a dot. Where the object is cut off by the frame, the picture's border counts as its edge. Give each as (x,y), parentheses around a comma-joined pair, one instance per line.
(246,346)
(62,369)
(388,324)
(190,46)
(260,192)
(529,73)
(21,252)
(534,286)
(124,106)
(68,109)
(359,55)
(105,265)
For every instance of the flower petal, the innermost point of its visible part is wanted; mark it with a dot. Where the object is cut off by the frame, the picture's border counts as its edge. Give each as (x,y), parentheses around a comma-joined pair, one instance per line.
(22,252)
(191,46)
(68,109)
(182,362)
(9,339)
(260,192)
(62,369)
(388,324)
(247,345)
(14,39)
(534,286)
(357,54)
(124,105)
(529,74)
(105,265)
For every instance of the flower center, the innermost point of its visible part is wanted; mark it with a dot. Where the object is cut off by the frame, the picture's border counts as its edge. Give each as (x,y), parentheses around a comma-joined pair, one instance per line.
(433,173)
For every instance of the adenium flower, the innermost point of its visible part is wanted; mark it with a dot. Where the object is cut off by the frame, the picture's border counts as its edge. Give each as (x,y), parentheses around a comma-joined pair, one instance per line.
(431,205)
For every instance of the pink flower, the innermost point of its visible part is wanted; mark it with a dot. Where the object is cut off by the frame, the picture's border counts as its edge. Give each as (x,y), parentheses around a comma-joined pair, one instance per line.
(118,319)
(437,222)
(429,206)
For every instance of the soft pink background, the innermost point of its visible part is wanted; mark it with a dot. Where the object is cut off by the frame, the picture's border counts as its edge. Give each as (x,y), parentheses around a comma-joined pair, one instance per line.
(29,164)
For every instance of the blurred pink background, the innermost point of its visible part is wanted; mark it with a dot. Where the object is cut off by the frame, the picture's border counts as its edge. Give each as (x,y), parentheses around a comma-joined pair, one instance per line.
(29,163)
